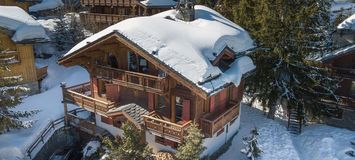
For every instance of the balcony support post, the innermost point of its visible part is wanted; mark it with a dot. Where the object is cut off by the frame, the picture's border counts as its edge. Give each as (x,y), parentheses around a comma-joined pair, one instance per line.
(63,85)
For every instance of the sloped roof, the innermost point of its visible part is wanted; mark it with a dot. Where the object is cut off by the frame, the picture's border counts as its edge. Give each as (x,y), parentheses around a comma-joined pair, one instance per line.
(156,3)
(135,111)
(186,47)
(348,23)
(23,26)
(339,52)
(46,5)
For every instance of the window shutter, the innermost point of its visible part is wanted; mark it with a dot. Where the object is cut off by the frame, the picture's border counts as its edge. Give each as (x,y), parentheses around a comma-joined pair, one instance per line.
(212,103)
(186,110)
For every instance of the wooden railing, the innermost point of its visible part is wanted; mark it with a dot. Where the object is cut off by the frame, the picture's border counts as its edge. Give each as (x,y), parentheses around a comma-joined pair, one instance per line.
(344,72)
(168,130)
(41,72)
(344,102)
(104,18)
(213,122)
(80,95)
(46,133)
(130,79)
(126,3)
(10,57)
(82,124)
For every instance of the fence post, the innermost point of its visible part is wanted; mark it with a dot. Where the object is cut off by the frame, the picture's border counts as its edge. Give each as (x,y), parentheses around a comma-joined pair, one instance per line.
(63,85)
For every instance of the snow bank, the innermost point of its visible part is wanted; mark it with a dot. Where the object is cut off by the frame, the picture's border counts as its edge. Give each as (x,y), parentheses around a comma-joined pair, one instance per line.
(25,28)
(186,47)
(46,5)
(49,103)
(91,148)
(349,23)
(154,3)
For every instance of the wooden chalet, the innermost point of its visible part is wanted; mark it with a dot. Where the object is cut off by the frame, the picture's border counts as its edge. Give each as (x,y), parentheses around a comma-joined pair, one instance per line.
(342,63)
(129,82)
(18,49)
(107,12)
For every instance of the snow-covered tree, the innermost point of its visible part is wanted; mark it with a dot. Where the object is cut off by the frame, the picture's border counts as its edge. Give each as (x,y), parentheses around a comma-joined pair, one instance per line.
(252,148)
(61,36)
(289,34)
(10,97)
(192,145)
(75,28)
(131,146)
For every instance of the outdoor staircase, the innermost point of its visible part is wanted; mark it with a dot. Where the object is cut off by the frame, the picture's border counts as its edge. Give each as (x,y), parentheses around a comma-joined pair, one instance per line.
(294,125)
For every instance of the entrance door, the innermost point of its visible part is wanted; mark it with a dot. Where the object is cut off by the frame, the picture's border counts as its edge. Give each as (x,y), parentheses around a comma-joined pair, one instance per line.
(182,109)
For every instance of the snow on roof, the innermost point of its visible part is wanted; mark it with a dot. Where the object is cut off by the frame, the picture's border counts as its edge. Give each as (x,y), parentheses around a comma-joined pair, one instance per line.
(187,47)
(349,23)
(338,52)
(339,6)
(25,28)
(154,3)
(46,5)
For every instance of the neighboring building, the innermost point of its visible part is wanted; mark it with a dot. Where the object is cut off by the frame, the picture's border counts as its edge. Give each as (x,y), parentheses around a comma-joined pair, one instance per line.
(342,63)
(18,33)
(104,13)
(24,4)
(161,74)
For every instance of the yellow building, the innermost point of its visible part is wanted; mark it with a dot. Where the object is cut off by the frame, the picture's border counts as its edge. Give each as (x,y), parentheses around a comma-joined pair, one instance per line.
(18,33)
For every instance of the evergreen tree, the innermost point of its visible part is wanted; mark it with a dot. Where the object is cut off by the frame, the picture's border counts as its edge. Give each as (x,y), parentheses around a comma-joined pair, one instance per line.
(10,97)
(192,146)
(130,147)
(252,148)
(75,29)
(61,36)
(288,33)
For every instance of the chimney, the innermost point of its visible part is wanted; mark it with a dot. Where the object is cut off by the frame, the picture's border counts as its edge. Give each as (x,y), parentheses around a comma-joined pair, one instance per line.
(186,10)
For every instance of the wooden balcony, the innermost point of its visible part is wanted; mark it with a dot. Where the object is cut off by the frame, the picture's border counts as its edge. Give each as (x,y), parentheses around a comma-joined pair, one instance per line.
(344,72)
(103,18)
(10,57)
(133,80)
(81,96)
(83,124)
(343,102)
(211,123)
(123,3)
(162,128)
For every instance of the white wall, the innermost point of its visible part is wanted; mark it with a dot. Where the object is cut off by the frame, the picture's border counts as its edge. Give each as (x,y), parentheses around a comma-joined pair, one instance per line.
(214,143)
(150,138)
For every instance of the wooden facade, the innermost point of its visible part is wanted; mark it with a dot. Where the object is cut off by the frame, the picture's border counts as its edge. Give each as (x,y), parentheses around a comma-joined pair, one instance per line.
(22,63)
(23,5)
(122,74)
(103,13)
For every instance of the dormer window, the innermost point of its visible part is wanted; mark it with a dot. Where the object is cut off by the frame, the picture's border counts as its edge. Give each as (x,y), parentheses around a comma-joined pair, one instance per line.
(224,59)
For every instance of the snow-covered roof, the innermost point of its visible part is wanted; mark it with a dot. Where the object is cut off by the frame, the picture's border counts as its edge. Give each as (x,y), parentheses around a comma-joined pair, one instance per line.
(46,5)
(155,3)
(339,6)
(187,47)
(349,23)
(339,52)
(25,28)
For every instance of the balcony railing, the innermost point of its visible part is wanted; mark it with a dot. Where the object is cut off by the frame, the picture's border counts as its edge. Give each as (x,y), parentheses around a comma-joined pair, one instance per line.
(104,18)
(344,102)
(213,122)
(81,96)
(130,79)
(81,123)
(344,72)
(108,2)
(162,128)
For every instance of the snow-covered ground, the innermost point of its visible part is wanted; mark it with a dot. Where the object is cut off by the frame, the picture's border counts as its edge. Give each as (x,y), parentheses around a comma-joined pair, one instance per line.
(317,142)
(14,143)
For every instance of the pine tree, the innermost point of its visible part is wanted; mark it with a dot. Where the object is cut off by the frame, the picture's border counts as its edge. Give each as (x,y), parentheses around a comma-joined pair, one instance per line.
(130,147)
(252,148)
(75,30)
(61,36)
(289,33)
(10,97)
(192,146)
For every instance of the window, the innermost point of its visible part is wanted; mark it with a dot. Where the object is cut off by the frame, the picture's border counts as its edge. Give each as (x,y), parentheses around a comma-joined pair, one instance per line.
(178,105)
(112,61)
(118,121)
(352,88)
(132,62)
(224,59)
(161,102)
